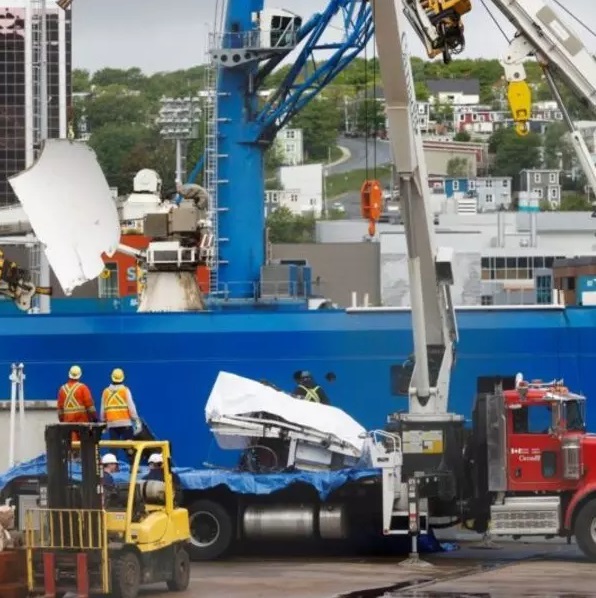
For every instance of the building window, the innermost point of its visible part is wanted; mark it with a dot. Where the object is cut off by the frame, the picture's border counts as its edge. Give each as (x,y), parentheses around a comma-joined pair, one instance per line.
(505,183)
(537,193)
(456,185)
(294,197)
(552,177)
(313,201)
(486,300)
(537,177)
(489,198)
(553,193)
(108,282)
(489,182)
(471,185)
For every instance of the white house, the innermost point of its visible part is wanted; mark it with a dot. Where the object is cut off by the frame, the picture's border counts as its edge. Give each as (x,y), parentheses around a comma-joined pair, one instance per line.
(290,145)
(454,91)
(302,190)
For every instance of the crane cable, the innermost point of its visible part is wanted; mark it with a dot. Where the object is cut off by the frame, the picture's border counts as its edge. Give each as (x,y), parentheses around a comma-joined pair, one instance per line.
(576,19)
(371,192)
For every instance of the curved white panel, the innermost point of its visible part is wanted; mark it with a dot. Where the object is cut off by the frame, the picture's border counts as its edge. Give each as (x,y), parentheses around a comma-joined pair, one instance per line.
(69,205)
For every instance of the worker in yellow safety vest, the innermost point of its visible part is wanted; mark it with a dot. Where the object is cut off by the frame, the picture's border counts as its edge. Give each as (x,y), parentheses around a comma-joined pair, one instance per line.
(75,403)
(308,390)
(118,409)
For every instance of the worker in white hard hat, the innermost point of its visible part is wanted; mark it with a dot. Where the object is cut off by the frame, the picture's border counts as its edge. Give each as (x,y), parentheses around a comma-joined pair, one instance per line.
(110,465)
(75,403)
(118,409)
(156,469)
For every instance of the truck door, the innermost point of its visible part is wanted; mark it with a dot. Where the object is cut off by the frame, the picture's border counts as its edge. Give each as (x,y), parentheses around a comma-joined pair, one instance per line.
(534,452)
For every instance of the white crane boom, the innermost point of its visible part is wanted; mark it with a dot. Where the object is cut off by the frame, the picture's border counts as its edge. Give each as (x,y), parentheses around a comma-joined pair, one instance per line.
(542,33)
(430,270)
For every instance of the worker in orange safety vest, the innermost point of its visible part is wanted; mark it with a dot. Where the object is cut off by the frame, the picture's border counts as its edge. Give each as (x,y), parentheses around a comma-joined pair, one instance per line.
(75,403)
(118,409)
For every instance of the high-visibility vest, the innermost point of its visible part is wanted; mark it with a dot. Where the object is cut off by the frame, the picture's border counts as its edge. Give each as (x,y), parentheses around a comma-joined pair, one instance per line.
(311,394)
(72,406)
(115,404)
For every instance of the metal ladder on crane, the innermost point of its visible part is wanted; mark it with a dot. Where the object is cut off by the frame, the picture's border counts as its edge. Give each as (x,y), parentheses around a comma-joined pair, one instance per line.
(212,180)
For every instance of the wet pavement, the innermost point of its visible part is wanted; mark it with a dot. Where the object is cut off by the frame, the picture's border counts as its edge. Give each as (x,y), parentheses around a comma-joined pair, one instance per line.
(532,570)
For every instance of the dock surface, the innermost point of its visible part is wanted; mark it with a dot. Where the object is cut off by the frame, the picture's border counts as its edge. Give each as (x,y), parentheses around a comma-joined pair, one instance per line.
(545,570)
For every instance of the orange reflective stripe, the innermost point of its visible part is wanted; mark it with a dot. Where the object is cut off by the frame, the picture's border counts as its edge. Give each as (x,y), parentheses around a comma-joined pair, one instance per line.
(115,406)
(71,403)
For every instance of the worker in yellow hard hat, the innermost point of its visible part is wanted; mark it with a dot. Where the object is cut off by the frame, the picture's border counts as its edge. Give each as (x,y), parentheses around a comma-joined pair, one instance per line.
(75,403)
(118,409)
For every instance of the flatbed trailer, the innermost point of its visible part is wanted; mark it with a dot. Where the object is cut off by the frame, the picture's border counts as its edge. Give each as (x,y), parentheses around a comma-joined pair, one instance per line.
(230,508)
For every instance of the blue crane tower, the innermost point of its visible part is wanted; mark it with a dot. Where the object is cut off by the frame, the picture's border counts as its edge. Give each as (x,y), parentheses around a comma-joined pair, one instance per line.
(252,42)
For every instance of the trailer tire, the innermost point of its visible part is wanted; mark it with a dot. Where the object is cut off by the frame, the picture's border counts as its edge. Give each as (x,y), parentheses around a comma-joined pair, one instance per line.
(211,530)
(585,529)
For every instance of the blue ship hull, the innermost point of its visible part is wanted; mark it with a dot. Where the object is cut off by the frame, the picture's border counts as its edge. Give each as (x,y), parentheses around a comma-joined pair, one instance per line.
(172,360)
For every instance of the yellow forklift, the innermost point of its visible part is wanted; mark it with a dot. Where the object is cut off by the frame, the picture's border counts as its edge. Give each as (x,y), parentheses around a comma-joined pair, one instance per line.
(89,537)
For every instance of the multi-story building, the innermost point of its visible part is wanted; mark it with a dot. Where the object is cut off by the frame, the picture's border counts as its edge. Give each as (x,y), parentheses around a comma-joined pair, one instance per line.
(543,185)
(289,144)
(477,120)
(20,61)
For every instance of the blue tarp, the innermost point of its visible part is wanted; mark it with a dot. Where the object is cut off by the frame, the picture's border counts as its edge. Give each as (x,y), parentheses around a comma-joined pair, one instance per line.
(203,479)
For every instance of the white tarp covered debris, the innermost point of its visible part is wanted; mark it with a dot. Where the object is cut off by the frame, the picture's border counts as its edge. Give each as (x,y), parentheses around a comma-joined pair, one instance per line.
(234,395)
(70,207)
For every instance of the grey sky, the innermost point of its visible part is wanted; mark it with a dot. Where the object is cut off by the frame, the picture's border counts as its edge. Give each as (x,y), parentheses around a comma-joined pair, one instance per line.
(144,33)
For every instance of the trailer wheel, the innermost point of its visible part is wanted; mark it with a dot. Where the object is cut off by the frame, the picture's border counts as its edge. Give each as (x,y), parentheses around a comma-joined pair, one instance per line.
(211,530)
(585,529)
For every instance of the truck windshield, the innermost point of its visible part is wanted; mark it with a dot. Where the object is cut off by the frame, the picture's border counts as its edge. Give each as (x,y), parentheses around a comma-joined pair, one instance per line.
(575,416)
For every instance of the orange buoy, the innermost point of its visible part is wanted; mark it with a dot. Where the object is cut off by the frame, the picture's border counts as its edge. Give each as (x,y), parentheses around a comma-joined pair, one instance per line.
(371,203)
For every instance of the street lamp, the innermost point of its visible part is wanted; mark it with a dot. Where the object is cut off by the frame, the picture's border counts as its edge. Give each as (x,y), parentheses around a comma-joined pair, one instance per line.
(179,120)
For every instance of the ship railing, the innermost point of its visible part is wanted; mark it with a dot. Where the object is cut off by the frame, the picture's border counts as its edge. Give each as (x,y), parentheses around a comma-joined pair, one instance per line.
(261,291)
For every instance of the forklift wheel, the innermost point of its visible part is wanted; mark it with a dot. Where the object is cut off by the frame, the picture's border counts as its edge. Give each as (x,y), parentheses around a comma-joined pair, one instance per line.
(126,581)
(181,574)
(585,529)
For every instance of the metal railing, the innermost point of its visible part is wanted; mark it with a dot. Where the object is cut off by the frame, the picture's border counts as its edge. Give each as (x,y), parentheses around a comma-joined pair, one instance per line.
(60,529)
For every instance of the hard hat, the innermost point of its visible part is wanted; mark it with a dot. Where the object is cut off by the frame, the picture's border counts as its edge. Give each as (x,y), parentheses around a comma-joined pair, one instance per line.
(305,374)
(117,376)
(156,458)
(75,372)
(109,459)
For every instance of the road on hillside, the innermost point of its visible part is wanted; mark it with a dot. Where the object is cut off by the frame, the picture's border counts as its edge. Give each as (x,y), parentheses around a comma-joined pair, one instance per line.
(357,148)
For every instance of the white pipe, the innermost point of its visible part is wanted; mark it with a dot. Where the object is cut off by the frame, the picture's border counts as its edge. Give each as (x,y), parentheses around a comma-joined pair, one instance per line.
(21,396)
(13,415)
(422,381)
(354,299)
(62,91)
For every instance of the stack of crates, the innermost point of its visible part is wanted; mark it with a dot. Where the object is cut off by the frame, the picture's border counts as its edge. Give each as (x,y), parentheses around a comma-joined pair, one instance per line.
(13,574)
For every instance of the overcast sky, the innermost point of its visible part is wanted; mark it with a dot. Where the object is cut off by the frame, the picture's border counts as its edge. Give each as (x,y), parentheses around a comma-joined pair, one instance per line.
(144,33)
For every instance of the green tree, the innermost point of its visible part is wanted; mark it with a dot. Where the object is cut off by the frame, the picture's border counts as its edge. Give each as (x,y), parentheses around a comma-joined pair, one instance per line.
(458,167)
(119,149)
(575,203)
(115,106)
(514,153)
(81,80)
(286,227)
(557,148)
(422,91)
(370,117)
(462,136)
(320,121)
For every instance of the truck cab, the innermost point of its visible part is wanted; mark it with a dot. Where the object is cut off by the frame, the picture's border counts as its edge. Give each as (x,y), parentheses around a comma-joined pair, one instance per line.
(532,443)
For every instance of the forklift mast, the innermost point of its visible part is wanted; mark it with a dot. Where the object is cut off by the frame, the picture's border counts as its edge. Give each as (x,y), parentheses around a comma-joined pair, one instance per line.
(62,493)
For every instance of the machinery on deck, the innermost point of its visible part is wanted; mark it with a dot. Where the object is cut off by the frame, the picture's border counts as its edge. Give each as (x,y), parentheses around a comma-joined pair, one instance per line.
(91,537)
(16,284)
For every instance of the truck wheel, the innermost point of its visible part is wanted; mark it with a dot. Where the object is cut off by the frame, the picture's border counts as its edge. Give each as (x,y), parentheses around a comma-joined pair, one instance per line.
(585,529)
(211,530)
(127,576)
(181,573)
